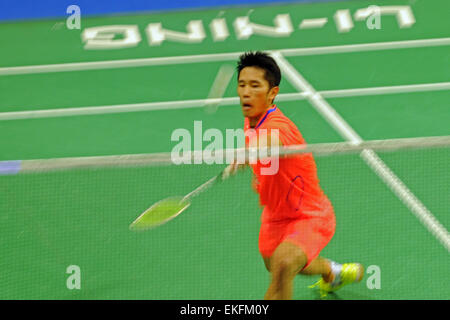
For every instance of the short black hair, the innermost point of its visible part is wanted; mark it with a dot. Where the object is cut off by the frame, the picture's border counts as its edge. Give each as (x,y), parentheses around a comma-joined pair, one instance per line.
(264,61)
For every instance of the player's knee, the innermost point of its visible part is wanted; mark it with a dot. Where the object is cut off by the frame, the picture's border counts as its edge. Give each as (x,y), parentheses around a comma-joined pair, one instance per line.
(289,265)
(286,266)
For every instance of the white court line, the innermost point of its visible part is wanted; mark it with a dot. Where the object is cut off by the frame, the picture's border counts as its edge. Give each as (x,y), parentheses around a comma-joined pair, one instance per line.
(128,63)
(385,90)
(66,112)
(369,156)
(389,45)
(199,103)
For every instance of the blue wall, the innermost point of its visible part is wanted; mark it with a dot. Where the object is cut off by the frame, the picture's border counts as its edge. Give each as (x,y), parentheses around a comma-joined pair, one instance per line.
(29,9)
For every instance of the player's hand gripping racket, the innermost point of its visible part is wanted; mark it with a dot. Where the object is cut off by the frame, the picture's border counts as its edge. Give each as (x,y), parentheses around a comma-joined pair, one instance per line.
(167,209)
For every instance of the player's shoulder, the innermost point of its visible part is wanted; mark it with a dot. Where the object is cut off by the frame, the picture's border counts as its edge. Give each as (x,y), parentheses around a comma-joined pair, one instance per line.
(287,130)
(277,119)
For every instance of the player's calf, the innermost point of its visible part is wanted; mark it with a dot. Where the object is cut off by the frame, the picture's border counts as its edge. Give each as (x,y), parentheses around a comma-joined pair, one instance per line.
(285,263)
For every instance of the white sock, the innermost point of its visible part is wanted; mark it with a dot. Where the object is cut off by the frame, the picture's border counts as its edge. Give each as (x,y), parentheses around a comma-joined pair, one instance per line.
(336,269)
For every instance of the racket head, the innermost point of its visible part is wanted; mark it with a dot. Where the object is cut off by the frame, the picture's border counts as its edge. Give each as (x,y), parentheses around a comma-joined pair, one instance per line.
(159,213)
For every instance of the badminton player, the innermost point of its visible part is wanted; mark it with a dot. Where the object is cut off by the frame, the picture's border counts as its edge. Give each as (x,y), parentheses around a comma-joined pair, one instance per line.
(297,220)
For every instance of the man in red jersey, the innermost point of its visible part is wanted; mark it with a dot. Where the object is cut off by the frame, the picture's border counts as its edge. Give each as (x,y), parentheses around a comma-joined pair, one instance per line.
(298,220)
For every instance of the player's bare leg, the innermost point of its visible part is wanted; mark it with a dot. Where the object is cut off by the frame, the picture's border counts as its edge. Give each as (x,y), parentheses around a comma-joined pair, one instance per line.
(284,264)
(334,276)
(320,266)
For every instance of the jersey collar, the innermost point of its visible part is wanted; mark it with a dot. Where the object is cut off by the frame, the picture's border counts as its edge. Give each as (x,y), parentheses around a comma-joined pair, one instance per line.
(260,122)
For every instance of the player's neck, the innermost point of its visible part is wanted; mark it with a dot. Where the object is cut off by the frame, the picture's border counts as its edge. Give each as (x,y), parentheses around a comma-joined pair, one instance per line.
(253,121)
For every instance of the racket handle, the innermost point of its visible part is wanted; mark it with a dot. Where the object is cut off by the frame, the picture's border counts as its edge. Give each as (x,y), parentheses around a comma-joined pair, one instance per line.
(208,184)
(223,175)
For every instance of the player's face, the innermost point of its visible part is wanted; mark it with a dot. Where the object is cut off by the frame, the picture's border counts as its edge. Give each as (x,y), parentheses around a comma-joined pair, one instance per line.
(255,93)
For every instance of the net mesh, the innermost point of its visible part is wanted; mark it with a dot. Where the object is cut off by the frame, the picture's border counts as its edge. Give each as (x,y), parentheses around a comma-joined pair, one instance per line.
(53,218)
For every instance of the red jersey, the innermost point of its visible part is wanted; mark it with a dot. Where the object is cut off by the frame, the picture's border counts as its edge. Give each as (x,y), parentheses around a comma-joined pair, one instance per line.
(294,190)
